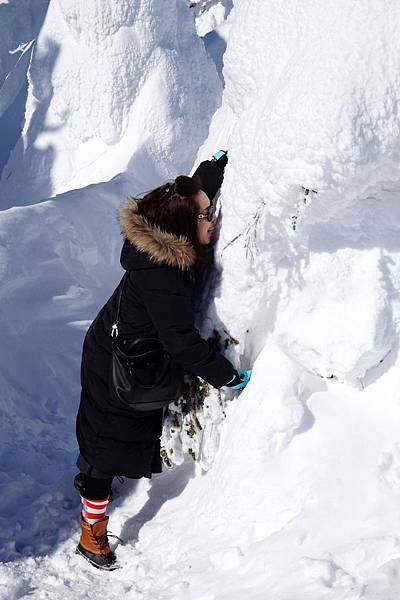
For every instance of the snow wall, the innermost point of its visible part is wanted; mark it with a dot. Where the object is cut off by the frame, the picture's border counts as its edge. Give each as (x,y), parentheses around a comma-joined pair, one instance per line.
(310,198)
(309,254)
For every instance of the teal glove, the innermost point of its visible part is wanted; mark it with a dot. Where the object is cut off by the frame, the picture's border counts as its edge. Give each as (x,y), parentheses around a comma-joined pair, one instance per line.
(239,380)
(221,158)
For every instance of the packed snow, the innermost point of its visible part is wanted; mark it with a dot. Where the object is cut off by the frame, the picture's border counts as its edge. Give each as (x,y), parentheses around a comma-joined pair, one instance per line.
(296,489)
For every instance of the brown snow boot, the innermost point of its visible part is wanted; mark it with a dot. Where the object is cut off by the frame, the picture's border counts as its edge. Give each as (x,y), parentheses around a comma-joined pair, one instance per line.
(94,545)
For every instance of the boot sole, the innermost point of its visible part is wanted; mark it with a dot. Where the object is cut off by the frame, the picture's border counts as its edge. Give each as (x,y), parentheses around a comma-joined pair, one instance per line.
(112,567)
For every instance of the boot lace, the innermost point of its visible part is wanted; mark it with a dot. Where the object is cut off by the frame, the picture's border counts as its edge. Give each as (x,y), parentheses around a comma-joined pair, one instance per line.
(102,541)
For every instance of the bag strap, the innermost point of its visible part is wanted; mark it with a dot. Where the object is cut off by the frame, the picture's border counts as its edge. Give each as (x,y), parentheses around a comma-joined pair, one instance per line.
(114,326)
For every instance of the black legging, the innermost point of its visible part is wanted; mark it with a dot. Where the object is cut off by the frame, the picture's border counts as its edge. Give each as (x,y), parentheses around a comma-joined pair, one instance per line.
(92,488)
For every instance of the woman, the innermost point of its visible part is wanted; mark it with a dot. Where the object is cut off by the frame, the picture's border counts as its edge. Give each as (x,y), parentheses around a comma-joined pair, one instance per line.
(165,234)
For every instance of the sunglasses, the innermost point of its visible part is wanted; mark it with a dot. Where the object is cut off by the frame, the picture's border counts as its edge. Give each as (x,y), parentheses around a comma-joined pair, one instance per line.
(207,214)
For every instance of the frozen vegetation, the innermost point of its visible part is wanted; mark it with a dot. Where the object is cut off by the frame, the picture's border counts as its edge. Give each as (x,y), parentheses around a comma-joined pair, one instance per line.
(296,492)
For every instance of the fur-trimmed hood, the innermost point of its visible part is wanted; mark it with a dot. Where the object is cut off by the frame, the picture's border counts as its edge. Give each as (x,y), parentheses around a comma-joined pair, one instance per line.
(160,246)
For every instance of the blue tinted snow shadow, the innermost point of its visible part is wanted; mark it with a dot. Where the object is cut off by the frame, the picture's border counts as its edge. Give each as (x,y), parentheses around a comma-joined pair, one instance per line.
(12,120)
(37,125)
(216,46)
(11,123)
(164,487)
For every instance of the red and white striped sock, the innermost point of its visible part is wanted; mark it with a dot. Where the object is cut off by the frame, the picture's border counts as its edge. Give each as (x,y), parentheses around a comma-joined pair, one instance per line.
(94,510)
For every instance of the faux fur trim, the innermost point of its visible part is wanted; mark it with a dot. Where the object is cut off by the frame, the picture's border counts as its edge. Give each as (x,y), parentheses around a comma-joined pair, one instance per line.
(159,245)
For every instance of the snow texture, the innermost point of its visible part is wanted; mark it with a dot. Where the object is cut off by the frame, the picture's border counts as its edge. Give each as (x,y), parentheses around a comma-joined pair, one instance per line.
(111,84)
(296,493)
(325,120)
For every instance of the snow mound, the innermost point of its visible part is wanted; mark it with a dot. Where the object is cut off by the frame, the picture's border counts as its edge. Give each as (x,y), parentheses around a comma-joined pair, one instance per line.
(311,222)
(109,82)
(62,255)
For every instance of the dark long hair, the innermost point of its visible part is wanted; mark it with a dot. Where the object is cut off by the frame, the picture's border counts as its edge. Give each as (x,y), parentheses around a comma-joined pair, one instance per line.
(173,208)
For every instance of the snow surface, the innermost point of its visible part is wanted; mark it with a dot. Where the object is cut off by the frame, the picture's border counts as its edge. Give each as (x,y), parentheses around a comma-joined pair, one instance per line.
(301,499)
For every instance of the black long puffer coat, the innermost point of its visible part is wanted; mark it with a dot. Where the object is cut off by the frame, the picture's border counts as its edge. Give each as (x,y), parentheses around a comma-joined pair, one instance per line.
(157,301)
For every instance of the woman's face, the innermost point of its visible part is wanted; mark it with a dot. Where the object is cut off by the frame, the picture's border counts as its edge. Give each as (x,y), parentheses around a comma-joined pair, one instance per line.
(204,226)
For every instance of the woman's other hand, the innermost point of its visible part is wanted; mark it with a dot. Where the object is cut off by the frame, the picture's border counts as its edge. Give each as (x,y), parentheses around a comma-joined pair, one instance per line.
(239,380)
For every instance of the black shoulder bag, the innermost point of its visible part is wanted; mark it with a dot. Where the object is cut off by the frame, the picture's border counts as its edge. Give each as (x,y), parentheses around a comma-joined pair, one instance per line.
(143,374)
